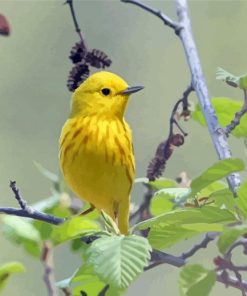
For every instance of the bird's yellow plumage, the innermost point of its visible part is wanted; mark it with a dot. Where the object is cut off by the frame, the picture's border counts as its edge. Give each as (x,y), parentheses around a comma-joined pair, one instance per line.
(96,152)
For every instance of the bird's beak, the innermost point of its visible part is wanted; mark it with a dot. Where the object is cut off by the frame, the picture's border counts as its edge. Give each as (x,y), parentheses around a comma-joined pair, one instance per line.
(131,89)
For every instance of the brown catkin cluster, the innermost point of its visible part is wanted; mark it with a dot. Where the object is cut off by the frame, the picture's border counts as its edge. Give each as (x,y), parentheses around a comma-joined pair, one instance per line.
(162,154)
(83,59)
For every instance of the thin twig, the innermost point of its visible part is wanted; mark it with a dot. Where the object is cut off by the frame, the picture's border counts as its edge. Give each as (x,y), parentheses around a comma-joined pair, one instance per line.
(163,258)
(27,211)
(231,282)
(163,152)
(21,201)
(104,290)
(49,278)
(210,236)
(77,28)
(167,21)
(225,264)
(236,121)
(240,242)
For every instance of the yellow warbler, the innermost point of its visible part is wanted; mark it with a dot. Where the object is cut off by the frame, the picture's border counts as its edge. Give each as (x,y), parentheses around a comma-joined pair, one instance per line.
(96,152)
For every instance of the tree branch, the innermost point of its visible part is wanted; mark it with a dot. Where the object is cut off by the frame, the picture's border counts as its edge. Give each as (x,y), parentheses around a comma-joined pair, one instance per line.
(230,281)
(164,151)
(184,31)
(77,28)
(210,236)
(236,121)
(27,211)
(158,258)
(198,81)
(49,278)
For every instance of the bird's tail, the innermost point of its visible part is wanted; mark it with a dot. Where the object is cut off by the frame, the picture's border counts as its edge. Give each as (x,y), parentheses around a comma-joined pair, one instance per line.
(123,216)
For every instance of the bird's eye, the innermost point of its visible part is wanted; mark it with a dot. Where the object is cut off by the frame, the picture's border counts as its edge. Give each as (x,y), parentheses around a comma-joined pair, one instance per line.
(105,91)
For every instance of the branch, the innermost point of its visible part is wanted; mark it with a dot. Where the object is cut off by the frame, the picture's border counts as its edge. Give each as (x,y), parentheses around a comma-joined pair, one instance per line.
(225,264)
(230,281)
(163,258)
(158,257)
(49,278)
(210,236)
(167,21)
(27,211)
(236,121)
(77,28)
(104,290)
(184,31)
(163,152)
(198,81)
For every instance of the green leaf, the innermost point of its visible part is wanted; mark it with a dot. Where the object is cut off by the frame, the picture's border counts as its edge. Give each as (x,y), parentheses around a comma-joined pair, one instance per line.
(21,231)
(196,280)
(225,109)
(164,199)
(117,260)
(206,214)
(243,82)
(217,171)
(22,228)
(223,198)
(229,236)
(231,79)
(7,270)
(84,279)
(162,183)
(163,235)
(241,199)
(176,193)
(74,228)
(161,204)
(212,188)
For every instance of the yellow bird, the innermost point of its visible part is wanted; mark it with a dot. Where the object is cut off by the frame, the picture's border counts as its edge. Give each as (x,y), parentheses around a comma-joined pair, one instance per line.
(96,151)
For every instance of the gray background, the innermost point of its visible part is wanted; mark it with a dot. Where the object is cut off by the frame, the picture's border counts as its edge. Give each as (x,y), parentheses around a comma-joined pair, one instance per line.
(34,102)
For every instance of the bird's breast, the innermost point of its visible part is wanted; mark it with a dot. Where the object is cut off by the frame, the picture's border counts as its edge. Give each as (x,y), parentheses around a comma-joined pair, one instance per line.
(94,149)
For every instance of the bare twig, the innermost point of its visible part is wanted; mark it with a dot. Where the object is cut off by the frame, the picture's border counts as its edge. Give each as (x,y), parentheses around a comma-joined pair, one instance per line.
(104,290)
(236,121)
(27,211)
(210,236)
(49,278)
(163,258)
(77,28)
(231,281)
(167,21)
(163,153)
(224,264)
(240,242)
(21,201)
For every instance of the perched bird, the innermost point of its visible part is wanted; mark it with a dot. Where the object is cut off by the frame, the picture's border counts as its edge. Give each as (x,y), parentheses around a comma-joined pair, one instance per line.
(96,151)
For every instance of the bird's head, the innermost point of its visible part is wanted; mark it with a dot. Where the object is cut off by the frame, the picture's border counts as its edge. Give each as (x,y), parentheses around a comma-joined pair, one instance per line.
(102,93)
